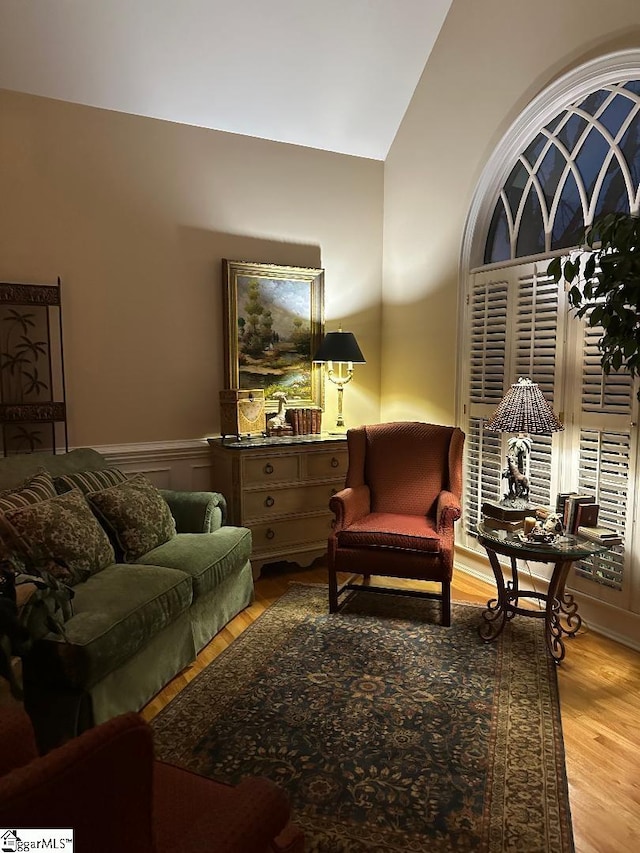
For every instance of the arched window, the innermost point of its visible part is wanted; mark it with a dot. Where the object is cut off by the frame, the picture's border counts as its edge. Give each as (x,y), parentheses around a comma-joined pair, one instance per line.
(584,162)
(572,154)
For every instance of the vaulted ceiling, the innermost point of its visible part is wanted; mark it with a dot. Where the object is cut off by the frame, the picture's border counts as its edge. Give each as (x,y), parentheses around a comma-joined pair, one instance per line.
(333,74)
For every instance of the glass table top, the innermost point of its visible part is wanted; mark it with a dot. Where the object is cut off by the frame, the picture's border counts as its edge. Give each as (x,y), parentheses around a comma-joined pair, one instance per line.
(564,545)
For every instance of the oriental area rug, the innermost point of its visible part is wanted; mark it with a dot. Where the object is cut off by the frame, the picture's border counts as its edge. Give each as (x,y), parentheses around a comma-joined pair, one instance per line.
(388,731)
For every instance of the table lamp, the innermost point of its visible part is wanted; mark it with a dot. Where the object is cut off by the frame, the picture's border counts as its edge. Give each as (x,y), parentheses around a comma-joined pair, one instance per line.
(522,410)
(339,348)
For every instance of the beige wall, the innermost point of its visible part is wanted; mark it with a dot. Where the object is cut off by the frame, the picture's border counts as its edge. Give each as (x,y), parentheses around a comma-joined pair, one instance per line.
(135,215)
(490,60)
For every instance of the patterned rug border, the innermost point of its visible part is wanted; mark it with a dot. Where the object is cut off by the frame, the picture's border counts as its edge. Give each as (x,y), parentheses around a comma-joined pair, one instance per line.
(522,723)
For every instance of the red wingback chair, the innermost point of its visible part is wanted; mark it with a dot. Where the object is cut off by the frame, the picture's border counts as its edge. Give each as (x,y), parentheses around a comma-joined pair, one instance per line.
(395,516)
(107,787)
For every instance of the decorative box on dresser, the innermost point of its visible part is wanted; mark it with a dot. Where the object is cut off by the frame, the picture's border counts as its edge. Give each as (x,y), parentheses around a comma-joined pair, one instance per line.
(280,488)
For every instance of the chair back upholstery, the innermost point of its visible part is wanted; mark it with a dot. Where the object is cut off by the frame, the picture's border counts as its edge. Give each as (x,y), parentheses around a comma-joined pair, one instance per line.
(405,464)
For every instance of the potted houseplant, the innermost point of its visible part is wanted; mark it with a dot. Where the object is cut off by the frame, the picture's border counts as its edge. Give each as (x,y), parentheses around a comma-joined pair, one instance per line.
(604,287)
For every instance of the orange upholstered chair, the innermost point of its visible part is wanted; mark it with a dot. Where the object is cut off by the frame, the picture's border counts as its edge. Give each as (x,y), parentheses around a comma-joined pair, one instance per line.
(395,516)
(107,787)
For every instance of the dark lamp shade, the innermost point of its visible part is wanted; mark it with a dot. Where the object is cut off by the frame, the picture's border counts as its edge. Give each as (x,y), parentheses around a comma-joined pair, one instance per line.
(340,346)
(524,409)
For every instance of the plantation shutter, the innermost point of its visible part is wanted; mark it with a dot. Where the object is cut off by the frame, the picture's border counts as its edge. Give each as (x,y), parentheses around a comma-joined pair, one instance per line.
(537,352)
(604,395)
(488,303)
(483,471)
(488,339)
(604,447)
(604,473)
(513,332)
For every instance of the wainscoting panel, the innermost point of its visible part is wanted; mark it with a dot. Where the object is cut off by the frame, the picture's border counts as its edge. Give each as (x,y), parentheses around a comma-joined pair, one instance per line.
(180,465)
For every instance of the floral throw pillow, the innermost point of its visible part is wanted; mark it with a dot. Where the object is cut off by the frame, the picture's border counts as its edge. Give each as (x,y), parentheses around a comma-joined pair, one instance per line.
(37,488)
(62,530)
(136,515)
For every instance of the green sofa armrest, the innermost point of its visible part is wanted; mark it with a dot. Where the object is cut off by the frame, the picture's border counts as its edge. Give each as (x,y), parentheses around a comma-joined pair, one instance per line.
(196,512)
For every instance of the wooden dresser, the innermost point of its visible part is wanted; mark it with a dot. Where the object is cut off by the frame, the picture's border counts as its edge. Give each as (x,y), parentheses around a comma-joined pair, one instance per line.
(280,488)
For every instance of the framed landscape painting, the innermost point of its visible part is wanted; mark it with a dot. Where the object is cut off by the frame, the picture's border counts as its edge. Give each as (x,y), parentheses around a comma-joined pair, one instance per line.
(274,323)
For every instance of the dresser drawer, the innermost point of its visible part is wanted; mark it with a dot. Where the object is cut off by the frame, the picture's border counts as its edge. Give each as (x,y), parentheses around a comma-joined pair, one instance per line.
(329,463)
(270,469)
(270,503)
(273,535)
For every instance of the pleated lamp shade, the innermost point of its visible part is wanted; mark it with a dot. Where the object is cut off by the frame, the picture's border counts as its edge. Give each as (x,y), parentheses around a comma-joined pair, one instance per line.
(524,409)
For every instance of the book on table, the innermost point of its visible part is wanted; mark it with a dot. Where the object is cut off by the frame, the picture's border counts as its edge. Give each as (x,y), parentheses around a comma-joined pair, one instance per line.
(571,510)
(561,501)
(505,512)
(587,515)
(604,535)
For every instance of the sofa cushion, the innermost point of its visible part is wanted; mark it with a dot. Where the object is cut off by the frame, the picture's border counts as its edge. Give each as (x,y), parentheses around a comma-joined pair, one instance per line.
(38,487)
(135,514)
(89,481)
(62,528)
(208,557)
(116,612)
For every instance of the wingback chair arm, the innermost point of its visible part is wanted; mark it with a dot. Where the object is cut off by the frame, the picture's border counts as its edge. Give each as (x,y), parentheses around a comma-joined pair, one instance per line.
(17,740)
(349,505)
(107,785)
(448,511)
(82,785)
(242,819)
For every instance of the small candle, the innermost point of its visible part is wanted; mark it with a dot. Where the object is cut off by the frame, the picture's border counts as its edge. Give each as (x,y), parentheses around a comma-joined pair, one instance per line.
(529,524)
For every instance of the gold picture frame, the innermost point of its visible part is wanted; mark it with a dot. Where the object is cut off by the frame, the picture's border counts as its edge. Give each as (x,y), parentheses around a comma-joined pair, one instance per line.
(274,323)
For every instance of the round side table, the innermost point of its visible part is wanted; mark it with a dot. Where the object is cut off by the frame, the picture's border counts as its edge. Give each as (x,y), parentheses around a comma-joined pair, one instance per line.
(561,611)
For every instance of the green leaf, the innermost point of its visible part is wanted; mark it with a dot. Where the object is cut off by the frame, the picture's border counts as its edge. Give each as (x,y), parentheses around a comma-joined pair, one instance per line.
(555,269)
(590,267)
(575,297)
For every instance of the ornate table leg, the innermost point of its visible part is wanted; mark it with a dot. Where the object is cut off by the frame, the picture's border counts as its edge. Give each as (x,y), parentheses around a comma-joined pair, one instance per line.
(553,629)
(572,618)
(497,612)
(558,602)
(511,589)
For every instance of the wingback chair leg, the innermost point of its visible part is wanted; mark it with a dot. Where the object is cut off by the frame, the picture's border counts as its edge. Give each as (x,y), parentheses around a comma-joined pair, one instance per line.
(446,604)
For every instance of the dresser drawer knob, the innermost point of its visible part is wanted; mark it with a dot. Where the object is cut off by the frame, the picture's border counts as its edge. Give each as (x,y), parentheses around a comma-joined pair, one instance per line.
(268,468)
(269,501)
(270,533)
(335,462)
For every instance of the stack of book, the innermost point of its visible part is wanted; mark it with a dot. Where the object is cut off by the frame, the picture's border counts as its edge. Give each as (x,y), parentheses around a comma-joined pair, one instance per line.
(305,421)
(603,535)
(577,510)
(503,517)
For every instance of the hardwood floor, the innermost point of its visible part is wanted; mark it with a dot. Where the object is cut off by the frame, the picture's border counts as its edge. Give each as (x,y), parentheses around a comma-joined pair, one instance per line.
(600,701)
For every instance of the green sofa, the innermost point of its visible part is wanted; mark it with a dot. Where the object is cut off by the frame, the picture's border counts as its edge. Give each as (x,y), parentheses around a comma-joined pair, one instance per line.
(135,625)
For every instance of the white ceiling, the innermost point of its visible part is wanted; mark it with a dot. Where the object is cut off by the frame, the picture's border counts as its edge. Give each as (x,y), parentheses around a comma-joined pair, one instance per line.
(331,74)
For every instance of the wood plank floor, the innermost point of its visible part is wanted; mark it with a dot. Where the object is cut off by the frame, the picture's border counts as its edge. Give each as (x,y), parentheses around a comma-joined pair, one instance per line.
(600,701)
